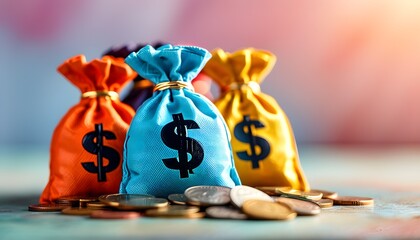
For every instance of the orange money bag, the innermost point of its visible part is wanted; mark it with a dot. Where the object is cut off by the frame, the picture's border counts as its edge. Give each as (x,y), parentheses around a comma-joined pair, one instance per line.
(86,147)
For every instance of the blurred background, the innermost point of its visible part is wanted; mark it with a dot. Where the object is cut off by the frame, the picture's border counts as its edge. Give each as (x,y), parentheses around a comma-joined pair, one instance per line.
(347,71)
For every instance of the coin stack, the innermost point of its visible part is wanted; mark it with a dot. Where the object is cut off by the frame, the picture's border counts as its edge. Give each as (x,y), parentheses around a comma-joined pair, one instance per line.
(240,202)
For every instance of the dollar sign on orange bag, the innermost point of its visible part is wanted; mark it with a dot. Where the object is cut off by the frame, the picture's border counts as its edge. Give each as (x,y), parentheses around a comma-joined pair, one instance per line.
(93,143)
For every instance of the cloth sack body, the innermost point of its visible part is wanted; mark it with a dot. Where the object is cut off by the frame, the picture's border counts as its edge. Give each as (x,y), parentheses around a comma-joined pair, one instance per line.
(263,143)
(177,138)
(87,144)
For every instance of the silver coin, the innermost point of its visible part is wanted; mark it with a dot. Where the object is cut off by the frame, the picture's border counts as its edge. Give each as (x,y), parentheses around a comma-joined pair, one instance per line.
(142,203)
(224,212)
(114,200)
(177,198)
(239,194)
(301,207)
(208,195)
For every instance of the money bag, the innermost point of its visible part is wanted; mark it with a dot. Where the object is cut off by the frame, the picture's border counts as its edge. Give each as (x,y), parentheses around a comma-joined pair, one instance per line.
(177,138)
(263,143)
(142,88)
(87,145)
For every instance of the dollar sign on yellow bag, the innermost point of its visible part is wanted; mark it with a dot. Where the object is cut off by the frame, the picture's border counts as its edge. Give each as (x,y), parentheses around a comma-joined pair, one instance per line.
(263,143)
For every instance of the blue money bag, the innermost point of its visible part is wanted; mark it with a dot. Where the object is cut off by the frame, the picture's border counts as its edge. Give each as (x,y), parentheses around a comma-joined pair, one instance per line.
(177,138)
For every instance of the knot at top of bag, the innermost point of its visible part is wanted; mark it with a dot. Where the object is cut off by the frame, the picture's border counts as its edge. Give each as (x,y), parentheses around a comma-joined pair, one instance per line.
(122,51)
(168,63)
(106,74)
(246,67)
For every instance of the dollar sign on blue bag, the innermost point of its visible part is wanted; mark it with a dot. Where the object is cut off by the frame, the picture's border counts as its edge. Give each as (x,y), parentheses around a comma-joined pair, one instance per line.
(175,136)
(248,137)
(101,151)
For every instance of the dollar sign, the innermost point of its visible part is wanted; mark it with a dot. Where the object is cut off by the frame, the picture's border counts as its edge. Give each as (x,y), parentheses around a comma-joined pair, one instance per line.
(248,137)
(174,135)
(101,151)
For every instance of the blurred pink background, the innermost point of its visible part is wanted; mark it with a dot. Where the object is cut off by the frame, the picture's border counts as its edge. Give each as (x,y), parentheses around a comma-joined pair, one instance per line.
(347,71)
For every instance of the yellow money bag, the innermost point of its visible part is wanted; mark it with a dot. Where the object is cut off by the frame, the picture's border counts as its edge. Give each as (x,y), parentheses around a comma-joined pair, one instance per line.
(263,143)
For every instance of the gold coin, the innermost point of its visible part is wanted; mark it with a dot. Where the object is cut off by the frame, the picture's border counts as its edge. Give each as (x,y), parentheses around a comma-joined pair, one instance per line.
(325,203)
(77,211)
(260,209)
(195,215)
(47,207)
(85,200)
(313,195)
(325,194)
(190,215)
(72,201)
(173,210)
(291,193)
(308,195)
(274,191)
(97,205)
(76,201)
(355,201)
(106,214)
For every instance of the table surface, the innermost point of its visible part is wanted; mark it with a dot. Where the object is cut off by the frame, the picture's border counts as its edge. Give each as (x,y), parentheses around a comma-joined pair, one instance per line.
(390,174)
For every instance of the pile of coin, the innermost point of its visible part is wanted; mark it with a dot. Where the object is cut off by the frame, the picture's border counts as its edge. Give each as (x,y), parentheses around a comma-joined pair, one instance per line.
(240,202)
